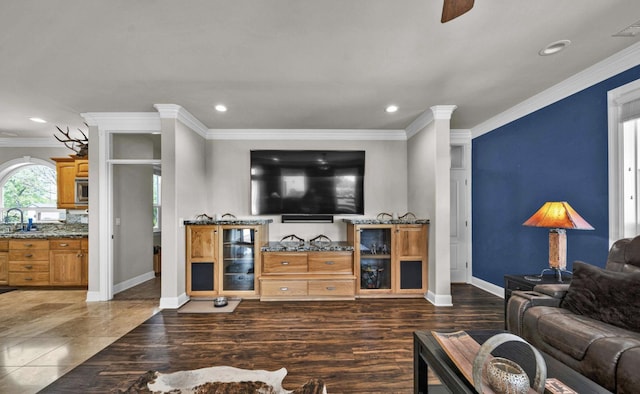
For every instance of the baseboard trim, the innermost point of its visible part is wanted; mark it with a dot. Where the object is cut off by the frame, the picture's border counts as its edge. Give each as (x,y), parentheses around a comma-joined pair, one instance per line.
(173,302)
(129,283)
(439,299)
(94,296)
(488,287)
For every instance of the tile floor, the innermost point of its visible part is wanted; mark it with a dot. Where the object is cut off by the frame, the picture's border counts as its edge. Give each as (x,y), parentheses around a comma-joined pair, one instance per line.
(46,333)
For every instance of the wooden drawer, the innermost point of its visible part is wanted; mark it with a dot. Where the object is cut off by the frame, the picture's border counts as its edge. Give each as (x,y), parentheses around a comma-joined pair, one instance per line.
(64,244)
(42,244)
(29,255)
(285,288)
(331,288)
(84,244)
(4,245)
(29,278)
(279,263)
(29,266)
(330,263)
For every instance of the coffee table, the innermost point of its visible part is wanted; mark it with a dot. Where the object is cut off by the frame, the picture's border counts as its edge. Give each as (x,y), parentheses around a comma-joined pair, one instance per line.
(427,352)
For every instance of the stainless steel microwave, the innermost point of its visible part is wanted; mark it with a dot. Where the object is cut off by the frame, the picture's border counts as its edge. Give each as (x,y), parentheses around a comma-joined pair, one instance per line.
(82,191)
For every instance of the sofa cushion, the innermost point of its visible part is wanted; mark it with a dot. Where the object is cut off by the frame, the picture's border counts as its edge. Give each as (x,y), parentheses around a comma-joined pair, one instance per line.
(574,334)
(607,296)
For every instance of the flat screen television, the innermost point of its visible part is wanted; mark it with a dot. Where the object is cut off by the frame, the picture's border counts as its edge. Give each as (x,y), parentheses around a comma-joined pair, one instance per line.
(307,182)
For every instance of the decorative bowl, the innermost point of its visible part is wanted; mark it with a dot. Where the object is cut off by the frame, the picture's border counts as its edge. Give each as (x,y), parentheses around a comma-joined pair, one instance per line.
(220,302)
(505,376)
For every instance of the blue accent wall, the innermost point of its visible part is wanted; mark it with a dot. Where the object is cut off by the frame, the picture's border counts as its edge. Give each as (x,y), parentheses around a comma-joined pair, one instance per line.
(558,153)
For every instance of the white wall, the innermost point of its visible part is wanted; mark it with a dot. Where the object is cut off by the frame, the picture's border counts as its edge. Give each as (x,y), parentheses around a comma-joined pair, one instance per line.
(228,179)
(184,195)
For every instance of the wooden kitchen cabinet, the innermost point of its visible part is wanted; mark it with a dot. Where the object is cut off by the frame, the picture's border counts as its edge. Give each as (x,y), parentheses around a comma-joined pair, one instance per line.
(67,170)
(224,259)
(390,258)
(202,260)
(307,275)
(66,262)
(4,262)
(28,262)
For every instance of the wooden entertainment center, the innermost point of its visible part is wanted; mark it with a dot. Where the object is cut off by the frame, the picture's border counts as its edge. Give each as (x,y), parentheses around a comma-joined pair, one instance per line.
(381,258)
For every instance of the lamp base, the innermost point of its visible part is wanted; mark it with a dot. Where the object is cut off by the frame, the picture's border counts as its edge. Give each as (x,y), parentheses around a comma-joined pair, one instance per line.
(557,272)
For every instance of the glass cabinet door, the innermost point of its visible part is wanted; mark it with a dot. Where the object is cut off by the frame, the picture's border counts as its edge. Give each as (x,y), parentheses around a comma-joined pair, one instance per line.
(375,258)
(238,260)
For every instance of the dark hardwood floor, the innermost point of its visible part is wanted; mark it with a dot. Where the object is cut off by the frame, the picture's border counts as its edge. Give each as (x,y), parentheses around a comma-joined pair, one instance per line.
(362,346)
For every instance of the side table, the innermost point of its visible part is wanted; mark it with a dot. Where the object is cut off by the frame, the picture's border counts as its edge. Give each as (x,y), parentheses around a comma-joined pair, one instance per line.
(519,282)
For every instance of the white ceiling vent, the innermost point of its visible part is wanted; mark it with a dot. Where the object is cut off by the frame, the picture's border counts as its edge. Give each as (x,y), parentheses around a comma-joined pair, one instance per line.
(630,31)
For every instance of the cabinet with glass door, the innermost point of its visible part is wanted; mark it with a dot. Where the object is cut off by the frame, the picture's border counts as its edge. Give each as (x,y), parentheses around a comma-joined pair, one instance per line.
(390,258)
(240,256)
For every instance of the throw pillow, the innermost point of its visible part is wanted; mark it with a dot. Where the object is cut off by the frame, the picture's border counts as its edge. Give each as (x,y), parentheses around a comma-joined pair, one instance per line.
(609,296)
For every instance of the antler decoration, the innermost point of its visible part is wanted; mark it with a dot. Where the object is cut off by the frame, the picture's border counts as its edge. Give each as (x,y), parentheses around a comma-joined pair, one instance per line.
(80,146)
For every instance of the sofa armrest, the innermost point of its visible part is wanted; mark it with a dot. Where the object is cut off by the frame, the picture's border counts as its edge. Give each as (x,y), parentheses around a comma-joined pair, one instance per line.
(558,290)
(518,304)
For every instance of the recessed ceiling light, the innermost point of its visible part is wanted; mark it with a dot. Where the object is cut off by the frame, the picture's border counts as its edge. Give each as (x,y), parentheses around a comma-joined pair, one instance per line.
(554,47)
(391,108)
(221,108)
(38,120)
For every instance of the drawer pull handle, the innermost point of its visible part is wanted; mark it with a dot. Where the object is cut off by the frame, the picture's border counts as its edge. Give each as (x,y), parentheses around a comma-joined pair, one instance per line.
(331,288)
(28,255)
(28,267)
(284,262)
(63,245)
(284,289)
(28,278)
(28,245)
(329,262)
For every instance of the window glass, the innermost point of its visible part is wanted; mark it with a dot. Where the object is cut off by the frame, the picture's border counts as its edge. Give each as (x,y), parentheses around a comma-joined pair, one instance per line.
(33,189)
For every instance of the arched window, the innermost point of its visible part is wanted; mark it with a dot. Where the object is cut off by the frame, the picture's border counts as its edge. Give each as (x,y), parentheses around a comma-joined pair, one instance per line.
(29,184)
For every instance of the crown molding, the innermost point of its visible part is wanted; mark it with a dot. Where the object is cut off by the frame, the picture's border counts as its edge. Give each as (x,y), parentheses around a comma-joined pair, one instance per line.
(306,134)
(123,121)
(607,68)
(29,143)
(174,111)
(460,136)
(443,112)
(419,123)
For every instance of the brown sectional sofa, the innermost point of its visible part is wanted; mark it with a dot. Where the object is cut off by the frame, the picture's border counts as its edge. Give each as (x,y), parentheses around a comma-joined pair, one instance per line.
(591,325)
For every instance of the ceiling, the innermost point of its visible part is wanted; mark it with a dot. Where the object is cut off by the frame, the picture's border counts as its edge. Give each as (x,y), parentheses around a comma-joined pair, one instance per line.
(291,64)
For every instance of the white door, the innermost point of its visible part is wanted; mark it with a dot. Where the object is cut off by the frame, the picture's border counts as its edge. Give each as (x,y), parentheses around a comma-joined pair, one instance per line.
(459,214)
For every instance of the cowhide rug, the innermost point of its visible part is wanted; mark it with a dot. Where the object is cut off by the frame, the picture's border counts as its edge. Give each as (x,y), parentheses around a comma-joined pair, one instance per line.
(221,380)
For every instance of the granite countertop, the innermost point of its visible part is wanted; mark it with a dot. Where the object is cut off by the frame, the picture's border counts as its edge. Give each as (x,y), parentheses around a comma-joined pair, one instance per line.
(307,247)
(45,231)
(386,221)
(212,222)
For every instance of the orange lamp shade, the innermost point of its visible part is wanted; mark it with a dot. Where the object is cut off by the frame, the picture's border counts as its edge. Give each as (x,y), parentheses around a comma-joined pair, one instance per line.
(557,214)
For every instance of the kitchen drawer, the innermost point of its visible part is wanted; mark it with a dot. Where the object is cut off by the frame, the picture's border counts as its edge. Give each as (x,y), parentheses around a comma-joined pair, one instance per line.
(28,278)
(29,266)
(40,244)
(84,243)
(29,255)
(331,288)
(62,244)
(279,263)
(330,263)
(4,245)
(285,288)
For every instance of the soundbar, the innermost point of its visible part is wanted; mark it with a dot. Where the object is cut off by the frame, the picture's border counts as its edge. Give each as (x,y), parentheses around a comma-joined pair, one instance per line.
(307,218)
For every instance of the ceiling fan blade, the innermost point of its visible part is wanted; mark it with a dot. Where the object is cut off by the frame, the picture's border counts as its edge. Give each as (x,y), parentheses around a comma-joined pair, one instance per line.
(454,8)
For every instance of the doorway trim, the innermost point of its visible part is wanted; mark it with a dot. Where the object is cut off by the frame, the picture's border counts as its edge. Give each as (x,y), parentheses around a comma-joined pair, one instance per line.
(462,138)
(615,99)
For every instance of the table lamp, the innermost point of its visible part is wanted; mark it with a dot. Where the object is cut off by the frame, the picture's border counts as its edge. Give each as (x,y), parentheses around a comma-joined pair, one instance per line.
(557,216)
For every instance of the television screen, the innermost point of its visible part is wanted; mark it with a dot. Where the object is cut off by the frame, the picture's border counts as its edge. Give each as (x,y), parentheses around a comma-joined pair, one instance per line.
(307,182)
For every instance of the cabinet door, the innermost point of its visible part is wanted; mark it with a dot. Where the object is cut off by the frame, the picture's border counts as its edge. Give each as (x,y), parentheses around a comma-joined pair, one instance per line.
(65,267)
(203,243)
(374,248)
(4,268)
(238,259)
(66,181)
(202,249)
(411,256)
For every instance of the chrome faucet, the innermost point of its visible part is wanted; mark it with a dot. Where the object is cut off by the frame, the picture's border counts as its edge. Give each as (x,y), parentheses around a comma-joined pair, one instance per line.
(21,216)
